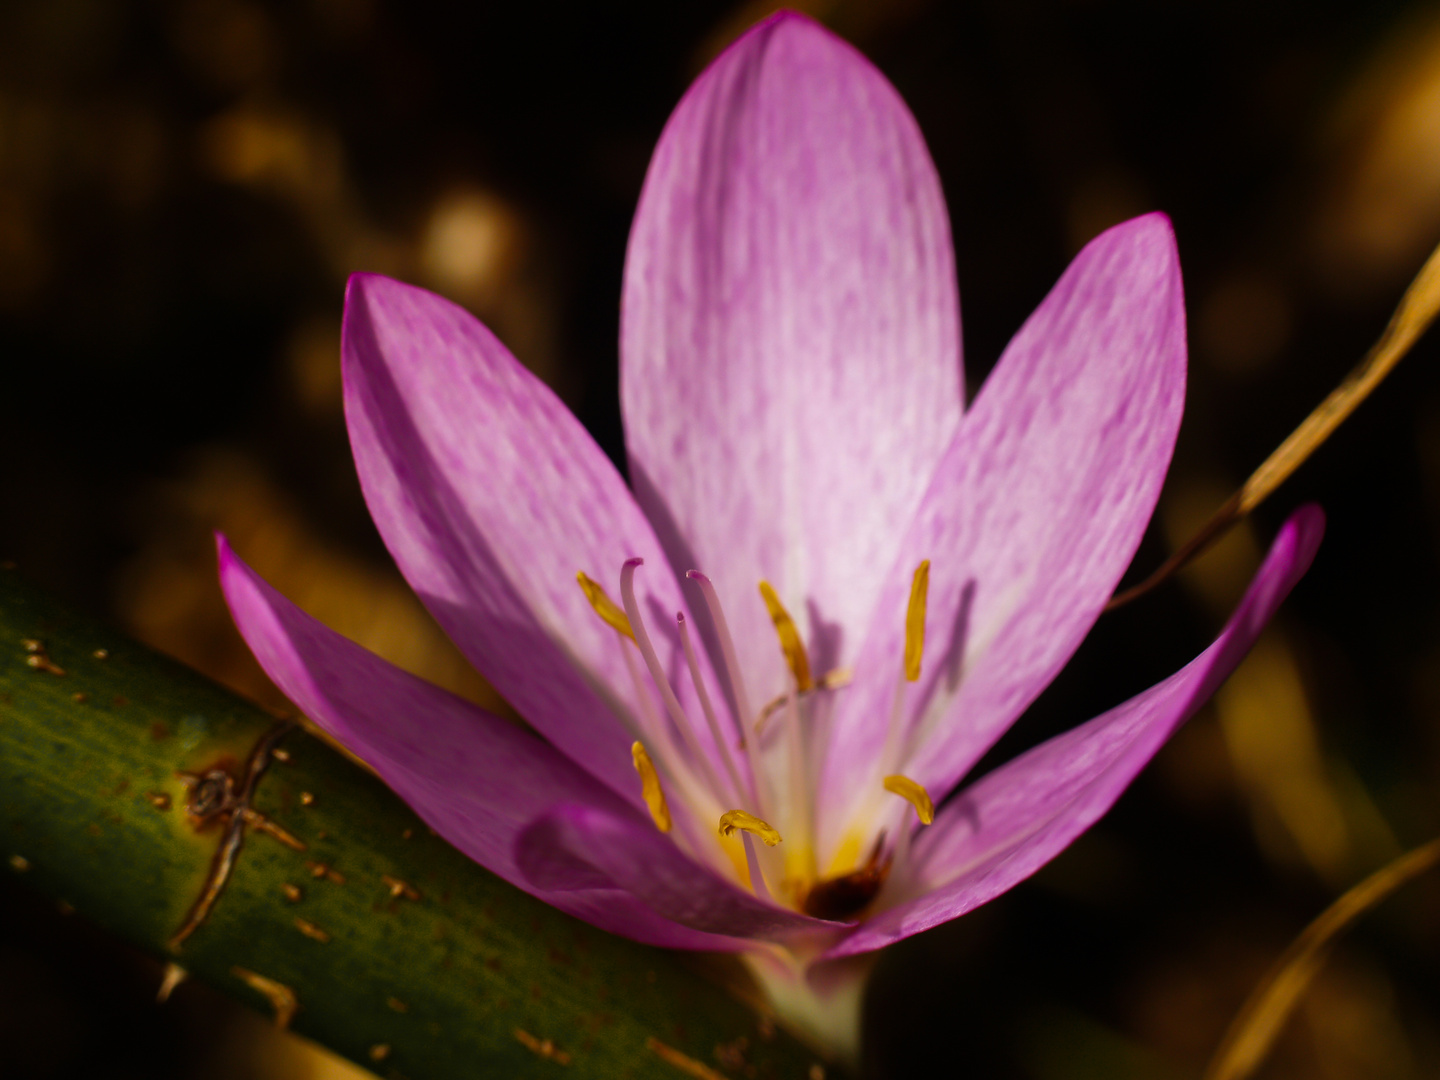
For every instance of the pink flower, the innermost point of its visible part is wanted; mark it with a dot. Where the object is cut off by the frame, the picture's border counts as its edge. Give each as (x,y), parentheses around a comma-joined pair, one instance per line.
(793,399)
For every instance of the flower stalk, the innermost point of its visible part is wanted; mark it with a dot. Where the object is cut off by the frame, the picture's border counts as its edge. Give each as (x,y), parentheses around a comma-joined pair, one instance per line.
(334,876)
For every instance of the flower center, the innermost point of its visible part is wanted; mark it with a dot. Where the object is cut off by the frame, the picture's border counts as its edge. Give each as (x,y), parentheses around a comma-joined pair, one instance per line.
(757,771)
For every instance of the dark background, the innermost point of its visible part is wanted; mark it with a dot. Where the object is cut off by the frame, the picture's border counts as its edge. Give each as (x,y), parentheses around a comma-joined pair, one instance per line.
(185,185)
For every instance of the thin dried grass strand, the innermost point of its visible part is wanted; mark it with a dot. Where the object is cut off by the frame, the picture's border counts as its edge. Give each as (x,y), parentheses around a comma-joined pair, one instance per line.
(1417,310)
(1263,1015)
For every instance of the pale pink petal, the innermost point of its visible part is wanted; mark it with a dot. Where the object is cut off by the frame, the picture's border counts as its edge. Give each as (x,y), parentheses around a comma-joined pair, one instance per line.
(475,779)
(587,847)
(491,496)
(1033,515)
(790,336)
(1000,831)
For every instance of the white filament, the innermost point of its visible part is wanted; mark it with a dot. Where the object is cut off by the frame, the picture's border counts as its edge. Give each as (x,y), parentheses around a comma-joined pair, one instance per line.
(748,740)
(657,673)
(752,862)
(693,662)
(727,646)
(800,806)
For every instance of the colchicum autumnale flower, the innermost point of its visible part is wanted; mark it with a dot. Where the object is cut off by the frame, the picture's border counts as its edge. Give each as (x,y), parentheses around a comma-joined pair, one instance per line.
(761,670)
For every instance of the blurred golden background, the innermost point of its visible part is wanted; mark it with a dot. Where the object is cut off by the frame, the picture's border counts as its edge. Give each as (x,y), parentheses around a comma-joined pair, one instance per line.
(185,184)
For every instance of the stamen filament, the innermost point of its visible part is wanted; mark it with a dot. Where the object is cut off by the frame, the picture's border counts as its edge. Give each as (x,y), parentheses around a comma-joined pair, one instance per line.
(799,784)
(727,647)
(647,705)
(652,727)
(790,643)
(657,673)
(915,621)
(890,755)
(752,863)
(745,715)
(693,662)
(617,619)
(650,789)
(897,735)
(914,794)
(900,854)
(603,605)
(733,820)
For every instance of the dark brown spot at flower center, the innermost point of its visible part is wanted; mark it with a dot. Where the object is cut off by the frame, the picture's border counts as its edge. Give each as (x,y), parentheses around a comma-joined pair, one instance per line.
(846,896)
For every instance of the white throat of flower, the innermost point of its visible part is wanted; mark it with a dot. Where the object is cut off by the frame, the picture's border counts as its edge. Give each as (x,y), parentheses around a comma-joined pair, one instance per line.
(777,744)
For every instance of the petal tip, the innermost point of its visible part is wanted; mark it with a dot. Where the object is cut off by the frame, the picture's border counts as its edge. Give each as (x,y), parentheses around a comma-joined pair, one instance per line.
(229,565)
(364,281)
(358,289)
(1306,526)
(366,290)
(238,581)
(1145,249)
(375,306)
(1155,219)
(787,20)
(1309,516)
(785,15)
(799,31)
(1152,228)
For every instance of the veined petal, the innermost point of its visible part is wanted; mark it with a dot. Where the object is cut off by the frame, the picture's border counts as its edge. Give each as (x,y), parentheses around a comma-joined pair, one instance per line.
(790,336)
(584,846)
(475,779)
(1019,817)
(1032,517)
(491,497)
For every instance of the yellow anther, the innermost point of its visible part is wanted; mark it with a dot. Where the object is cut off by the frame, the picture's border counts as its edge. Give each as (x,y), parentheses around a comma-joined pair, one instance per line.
(650,789)
(790,642)
(739,819)
(912,793)
(604,606)
(915,621)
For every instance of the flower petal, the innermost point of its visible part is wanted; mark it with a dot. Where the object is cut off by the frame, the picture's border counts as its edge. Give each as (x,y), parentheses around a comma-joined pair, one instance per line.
(790,336)
(491,496)
(1019,817)
(474,778)
(585,846)
(1033,515)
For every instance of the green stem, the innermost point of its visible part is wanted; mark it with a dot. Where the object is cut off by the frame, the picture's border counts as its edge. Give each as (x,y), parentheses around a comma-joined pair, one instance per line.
(401,953)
